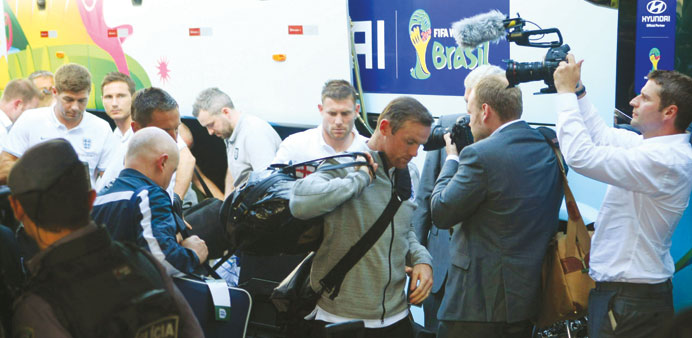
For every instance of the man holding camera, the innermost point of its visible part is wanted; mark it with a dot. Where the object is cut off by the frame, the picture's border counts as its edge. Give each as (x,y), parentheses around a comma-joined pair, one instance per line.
(505,189)
(649,179)
(436,241)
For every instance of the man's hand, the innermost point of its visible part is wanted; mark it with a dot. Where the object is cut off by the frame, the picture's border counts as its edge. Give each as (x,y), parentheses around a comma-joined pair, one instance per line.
(421,282)
(197,245)
(567,75)
(450,147)
(372,164)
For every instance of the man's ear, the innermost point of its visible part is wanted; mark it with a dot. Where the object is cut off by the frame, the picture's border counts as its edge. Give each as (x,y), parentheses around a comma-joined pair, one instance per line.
(385,127)
(487,112)
(135,126)
(92,198)
(357,108)
(320,107)
(16,208)
(162,162)
(17,103)
(670,112)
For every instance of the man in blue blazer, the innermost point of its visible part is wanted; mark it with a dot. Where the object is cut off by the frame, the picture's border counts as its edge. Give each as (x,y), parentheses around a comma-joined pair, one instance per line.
(436,241)
(506,191)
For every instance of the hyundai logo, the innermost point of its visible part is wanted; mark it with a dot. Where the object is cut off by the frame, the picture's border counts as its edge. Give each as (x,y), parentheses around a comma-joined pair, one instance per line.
(656,7)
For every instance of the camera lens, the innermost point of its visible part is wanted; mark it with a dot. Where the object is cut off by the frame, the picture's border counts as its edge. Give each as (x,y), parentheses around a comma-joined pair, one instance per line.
(518,72)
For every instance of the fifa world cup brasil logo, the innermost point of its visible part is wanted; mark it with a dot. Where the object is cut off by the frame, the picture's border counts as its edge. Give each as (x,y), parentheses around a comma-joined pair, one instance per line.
(420,32)
(654,57)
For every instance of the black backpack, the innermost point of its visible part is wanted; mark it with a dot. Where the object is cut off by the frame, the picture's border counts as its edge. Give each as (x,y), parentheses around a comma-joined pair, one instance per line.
(257,217)
(102,288)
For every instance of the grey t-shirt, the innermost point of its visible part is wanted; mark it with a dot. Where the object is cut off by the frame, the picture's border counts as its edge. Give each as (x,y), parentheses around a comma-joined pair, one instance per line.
(251,147)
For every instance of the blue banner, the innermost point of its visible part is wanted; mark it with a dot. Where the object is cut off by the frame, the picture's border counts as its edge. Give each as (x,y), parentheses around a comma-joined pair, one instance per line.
(655,43)
(407,46)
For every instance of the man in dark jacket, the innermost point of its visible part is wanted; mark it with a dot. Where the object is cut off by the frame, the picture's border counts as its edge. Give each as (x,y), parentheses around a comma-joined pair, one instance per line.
(506,191)
(136,207)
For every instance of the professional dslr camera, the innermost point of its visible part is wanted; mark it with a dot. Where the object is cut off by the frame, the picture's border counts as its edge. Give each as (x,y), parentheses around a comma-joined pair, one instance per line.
(460,133)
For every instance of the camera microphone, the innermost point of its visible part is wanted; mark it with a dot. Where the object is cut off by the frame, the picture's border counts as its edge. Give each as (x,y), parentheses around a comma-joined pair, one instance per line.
(472,32)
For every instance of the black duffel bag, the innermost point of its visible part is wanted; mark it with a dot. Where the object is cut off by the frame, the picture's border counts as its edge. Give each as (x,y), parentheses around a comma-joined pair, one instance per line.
(257,217)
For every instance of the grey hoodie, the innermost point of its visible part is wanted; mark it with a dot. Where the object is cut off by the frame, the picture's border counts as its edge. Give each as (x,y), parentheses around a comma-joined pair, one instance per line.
(375,287)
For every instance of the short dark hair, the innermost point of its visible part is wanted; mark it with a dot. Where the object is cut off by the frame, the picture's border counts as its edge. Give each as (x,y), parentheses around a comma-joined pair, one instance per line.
(118,76)
(72,78)
(20,89)
(676,89)
(402,109)
(147,101)
(338,90)
(494,90)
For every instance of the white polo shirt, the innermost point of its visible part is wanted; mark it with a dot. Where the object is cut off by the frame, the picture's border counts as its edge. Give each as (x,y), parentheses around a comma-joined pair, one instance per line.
(310,144)
(251,147)
(5,125)
(123,138)
(92,138)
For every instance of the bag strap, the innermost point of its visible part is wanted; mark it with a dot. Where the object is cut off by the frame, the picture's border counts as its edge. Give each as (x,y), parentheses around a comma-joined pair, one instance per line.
(332,281)
(577,235)
(207,192)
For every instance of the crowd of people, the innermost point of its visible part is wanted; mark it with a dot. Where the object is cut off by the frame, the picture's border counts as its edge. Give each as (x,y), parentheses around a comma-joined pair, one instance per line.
(101,223)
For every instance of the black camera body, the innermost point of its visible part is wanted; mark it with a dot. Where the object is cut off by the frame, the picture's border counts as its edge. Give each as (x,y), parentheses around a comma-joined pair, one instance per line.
(460,133)
(518,72)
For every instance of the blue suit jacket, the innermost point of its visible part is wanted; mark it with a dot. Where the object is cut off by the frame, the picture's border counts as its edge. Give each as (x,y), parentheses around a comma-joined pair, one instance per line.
(436,240)
(507,191)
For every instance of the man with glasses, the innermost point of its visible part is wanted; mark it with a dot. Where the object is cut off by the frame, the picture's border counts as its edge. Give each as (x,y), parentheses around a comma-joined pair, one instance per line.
(90,136)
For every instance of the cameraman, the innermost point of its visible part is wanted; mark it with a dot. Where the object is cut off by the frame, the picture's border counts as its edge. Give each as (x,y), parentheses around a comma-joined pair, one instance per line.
(505,189)
(649,179)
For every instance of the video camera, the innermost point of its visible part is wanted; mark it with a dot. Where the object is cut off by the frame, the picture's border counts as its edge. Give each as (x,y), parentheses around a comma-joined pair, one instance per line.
(518,72)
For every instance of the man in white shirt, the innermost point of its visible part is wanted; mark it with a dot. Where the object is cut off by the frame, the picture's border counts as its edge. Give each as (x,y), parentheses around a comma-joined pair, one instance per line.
(19,95)
(336,133)
(90,136)
(116,94)
(251,142)
(649,179)
(44,82)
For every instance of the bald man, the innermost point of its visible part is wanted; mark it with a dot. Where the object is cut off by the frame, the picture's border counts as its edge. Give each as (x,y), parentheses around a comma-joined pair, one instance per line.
(136,207)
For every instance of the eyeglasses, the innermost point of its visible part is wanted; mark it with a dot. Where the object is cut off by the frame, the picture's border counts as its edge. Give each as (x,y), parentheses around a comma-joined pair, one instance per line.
(47,91)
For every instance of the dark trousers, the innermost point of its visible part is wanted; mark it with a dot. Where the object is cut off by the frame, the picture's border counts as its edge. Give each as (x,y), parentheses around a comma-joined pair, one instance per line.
(430,307)
(400,329)
(457,329)
(629,310)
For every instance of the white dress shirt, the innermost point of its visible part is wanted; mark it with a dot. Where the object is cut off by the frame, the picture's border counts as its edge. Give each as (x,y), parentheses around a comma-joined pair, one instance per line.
(649,184)
(310,144)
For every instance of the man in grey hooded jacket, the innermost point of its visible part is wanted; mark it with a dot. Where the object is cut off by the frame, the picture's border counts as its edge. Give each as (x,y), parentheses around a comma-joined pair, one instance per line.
(351,200)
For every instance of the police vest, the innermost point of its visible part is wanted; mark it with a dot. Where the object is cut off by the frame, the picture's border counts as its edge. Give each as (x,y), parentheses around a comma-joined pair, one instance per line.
(102,288)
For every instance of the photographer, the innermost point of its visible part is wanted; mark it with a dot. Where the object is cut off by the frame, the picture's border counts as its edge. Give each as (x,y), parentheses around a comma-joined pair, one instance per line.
(649,179)
(436,241)
(505,189)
